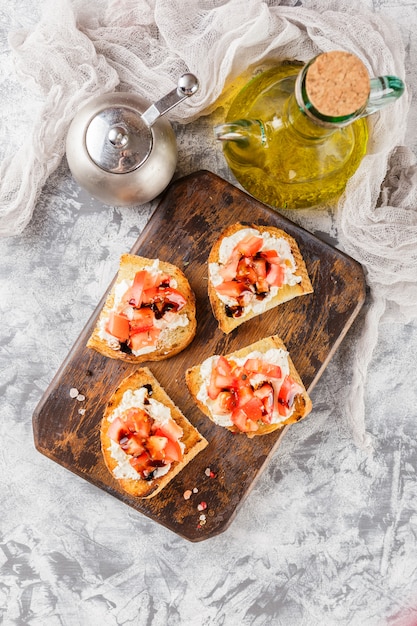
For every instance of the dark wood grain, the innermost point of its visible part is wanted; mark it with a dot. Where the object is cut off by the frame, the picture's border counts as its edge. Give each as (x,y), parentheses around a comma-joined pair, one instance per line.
(188,220)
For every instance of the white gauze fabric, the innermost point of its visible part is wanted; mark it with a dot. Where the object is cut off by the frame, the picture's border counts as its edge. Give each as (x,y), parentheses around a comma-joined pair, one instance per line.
(79,50)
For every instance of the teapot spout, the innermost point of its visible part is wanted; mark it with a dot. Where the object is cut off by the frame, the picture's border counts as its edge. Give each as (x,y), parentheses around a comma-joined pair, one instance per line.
(246,133)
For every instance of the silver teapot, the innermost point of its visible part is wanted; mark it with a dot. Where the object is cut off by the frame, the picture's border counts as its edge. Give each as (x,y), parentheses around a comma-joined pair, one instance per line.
(121,149)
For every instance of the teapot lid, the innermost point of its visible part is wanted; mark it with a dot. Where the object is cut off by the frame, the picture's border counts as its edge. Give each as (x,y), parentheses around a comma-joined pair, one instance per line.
(118,140)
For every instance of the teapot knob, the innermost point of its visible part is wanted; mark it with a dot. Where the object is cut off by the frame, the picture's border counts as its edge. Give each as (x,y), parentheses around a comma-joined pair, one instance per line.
(187,84)
(118,136)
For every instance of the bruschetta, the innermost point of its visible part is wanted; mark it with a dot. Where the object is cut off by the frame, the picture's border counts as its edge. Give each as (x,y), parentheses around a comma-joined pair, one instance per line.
(149,314)
(252,269)
(255,390)
(145,438)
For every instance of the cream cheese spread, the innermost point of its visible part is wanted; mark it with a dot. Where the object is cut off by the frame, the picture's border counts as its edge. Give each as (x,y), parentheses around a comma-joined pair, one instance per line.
(136,399)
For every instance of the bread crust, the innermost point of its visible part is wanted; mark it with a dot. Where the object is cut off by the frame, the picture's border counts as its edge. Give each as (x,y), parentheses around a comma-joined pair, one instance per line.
(194,442)
(177,340)
(303,404)
(285,293)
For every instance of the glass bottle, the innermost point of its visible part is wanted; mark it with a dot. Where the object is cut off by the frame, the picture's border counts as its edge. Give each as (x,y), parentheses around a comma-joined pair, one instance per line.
(295,134)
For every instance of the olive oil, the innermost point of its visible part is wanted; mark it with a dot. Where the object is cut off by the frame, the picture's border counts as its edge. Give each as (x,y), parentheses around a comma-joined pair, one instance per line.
(280,155)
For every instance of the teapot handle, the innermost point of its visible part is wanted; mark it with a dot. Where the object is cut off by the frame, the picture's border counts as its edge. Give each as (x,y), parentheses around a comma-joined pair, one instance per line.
(384,89)
(187,86)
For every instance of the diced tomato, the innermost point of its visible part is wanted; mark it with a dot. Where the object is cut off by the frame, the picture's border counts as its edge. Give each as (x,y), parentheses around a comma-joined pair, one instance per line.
(117,430)
(118,326)
(276,275)
(271,256)
(132,445)
(143,315)
(127,298)
(246,272)
(244,261)
(225,382)
(241,421)
(143,319)
(135,414)
(221,377)
(283,409)
(144,339)
(268,409)
(260,366)
(266,394)
(228,271)
(244,395)
(252,426)
(168,294)
(253,409)
(134,294)
(276,384)
(155,446)
(140,328)
(225,403)
(253,365)
(219,383)
(162,279)
(259,266)
(250,245)
(262,285)
(144,281)
(152,294)
(138,422)
(287,393)
(264,391)
(231,288)
(223,366)
(212,389)
(173,451)
(170,429)
(141,463)
(241,377)
(173,296)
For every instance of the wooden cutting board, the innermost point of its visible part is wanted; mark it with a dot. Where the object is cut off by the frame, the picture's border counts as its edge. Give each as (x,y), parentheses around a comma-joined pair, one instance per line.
(186,223)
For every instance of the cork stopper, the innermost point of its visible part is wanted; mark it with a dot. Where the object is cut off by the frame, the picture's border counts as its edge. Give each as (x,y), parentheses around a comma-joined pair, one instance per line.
(337,84)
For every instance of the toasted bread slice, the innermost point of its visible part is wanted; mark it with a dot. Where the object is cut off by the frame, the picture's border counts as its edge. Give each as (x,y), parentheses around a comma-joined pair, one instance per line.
(231,312)
(272,352)
(193,442)
(174,336)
